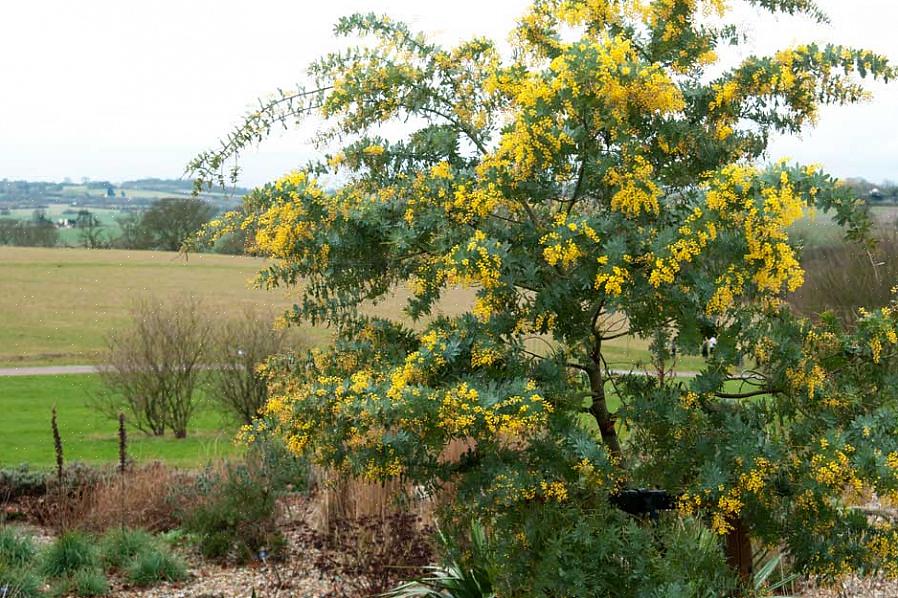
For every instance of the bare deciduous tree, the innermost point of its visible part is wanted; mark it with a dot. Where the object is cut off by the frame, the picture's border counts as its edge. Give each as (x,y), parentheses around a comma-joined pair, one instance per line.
(241,345)
(152,366)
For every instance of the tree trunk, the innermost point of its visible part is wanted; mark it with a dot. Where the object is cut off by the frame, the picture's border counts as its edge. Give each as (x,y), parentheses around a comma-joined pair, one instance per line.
(599,411)
(738,550)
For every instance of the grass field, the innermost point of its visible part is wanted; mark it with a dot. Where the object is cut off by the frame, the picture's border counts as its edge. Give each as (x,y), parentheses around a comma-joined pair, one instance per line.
(56,305)
(25,433)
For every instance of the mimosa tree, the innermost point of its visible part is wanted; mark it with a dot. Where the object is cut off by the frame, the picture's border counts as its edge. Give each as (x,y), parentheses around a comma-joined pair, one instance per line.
(604,181)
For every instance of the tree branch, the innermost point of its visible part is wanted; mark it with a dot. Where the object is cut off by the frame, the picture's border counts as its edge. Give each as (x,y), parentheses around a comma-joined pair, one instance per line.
(747,395)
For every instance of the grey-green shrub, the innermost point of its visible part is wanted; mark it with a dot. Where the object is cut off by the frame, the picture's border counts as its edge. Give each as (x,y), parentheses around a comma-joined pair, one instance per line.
(70,552)
(233,512)
(155,566)
(22,481)
(119,547)
(90,582)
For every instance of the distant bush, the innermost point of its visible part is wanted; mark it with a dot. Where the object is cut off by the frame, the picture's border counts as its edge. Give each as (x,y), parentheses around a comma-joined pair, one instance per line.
(154,365)
(241,345)
(841,278)
(155,566)
(171,220)
(22,481)
(35,233)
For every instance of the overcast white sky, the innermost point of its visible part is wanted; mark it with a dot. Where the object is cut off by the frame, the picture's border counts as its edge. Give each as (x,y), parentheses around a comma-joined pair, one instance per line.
(119,89)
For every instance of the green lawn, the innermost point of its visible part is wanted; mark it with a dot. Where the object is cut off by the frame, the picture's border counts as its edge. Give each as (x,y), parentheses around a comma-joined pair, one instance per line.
(25,433)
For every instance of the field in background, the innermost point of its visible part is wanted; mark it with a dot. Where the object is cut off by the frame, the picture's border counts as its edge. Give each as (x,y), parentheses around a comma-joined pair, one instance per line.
(87,436)
(72,236)
(56,305)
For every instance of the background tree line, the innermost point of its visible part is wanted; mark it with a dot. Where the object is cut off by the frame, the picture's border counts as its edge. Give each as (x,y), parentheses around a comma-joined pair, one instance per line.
(163,226)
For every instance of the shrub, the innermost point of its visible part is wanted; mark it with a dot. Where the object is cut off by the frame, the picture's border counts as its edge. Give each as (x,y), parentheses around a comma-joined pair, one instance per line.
(241,344)
(140,499)
(155,566)
(71,552)
(16,582)
(235,514)
(841,278)
(154,365)
(90,582)
(22,481)
(232,510)
(16,550)
(121,546)
(600,181)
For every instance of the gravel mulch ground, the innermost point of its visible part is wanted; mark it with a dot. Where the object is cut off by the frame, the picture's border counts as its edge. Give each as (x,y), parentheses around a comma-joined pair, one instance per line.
(875,587)
(296,576)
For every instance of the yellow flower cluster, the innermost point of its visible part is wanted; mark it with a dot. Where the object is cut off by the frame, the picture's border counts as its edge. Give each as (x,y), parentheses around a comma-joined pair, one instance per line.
(636,192)
(689,400)
(892,461)
(564,252)
(407,373)
(459,408)
(283,230)
(884,544)
(836,472)
(598,13)
(729,504)
(683,250)
(876,349)
(468,203)
(518,416)
(280,230)
(484,269)
(561,246)
(729,286)
(811,378)
(613,282)
(769,261)
(461,414)
(374,472)
(484,357)
(689,504)
(534,139)
(775,261)
(555,490)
